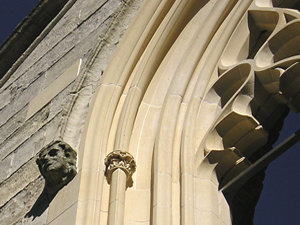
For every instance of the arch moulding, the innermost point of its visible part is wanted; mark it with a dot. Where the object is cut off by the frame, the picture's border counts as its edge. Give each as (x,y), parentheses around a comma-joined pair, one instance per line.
(196,91)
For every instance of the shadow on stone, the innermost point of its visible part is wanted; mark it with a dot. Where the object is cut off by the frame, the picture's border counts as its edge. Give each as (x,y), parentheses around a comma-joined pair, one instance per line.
(57,164)
(41,205)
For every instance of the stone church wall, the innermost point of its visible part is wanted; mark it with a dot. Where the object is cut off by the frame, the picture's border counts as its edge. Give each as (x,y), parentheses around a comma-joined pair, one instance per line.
(28,120)
(191,95)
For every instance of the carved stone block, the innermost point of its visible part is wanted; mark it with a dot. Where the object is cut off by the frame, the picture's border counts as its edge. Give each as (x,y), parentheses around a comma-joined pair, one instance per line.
(57,164)
(120,160)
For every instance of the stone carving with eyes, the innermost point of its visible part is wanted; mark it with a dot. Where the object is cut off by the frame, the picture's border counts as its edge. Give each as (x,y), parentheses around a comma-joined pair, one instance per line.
(57,164)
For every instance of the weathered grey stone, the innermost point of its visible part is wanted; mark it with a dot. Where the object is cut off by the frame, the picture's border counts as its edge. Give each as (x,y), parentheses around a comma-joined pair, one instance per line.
(12,124)
(6,95)
(57,164)
(20,101)
(31,126)
(18,181)
(17,207)
(29,148)
(24,132)
(78,13)
(40,220)
(16,89)
(99,22)
(47,55)
(5,167)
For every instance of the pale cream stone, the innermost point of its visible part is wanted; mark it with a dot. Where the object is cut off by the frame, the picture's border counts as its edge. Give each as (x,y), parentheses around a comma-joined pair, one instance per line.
(134,40)
(88,214)
(175,203)
(224,210)
(98,129)
(53,89)
(117,198)
(68,217)
(207,194)
(127,118)
(115,122)
(137,205)
(162,215)
(88,185)
(142,143)
(162,193)
(103,217)
(207,218)
(176,94)
(104,198)
(65,198)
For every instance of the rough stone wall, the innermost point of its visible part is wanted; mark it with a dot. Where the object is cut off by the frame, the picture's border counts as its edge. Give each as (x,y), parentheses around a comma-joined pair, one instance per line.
(89,26)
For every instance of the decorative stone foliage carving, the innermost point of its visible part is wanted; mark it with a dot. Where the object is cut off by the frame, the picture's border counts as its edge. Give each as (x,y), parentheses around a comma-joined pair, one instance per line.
(120,160)
(57,164)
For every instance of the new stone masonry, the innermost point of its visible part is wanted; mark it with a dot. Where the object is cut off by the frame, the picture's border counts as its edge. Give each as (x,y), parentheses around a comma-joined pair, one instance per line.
(139,112)
(86,28)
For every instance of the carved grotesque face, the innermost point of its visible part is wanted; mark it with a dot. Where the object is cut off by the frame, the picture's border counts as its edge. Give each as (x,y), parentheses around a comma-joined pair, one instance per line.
(57,164)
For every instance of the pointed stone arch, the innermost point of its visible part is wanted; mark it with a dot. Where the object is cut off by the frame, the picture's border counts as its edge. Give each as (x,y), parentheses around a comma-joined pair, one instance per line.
(193,93)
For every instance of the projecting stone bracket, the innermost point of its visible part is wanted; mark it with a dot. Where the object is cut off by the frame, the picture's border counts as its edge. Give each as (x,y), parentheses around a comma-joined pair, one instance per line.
(57,164)
(120,160)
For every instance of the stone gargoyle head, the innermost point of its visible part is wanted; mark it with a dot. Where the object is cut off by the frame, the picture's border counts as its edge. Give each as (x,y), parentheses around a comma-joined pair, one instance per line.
(57,164)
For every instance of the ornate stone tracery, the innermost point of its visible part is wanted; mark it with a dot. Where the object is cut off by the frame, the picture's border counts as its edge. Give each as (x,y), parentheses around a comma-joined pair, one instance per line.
(256,101)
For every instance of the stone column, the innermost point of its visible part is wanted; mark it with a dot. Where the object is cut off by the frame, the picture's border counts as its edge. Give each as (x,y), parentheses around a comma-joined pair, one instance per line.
(119,169)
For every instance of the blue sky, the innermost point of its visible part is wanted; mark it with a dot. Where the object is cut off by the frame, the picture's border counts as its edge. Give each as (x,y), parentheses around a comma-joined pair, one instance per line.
(11,14)
(280,201)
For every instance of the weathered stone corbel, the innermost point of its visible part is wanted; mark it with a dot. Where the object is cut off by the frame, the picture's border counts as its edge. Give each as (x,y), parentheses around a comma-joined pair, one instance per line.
(57,164)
